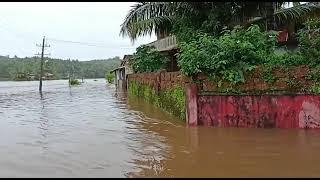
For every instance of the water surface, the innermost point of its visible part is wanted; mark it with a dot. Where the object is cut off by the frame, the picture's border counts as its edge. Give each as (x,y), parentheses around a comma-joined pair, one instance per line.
(94,131)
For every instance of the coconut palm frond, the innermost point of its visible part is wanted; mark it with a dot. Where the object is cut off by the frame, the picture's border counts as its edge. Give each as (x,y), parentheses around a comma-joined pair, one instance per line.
(143,18)
(184,7)
(295,13)
(148,26)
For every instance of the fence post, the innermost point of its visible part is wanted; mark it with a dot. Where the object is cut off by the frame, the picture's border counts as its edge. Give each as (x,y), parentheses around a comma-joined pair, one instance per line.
(192,104)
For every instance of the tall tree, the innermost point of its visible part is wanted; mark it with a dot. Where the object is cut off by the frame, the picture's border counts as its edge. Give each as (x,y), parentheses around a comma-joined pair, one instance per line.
(146,18)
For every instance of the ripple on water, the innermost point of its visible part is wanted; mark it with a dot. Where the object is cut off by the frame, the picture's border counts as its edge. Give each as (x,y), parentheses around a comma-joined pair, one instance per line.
(90,130)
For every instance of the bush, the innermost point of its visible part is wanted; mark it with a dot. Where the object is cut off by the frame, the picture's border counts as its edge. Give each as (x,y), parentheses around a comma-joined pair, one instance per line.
(309,41)
(74,82)
(288,58)
(148,59)
(227,56)
(110,77)
(171,100)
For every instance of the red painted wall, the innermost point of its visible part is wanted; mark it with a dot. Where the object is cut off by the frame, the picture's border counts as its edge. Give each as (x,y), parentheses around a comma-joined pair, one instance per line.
(192,104)
(266,111)
(280,111)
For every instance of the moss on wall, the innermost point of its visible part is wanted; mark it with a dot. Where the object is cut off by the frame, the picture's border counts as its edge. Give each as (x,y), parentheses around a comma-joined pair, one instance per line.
(268,80)
(171,100)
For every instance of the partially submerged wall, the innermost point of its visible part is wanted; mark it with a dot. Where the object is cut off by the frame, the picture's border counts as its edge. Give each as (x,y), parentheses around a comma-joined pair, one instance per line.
(285,102)
(163,89)
(262,111)
(268,99)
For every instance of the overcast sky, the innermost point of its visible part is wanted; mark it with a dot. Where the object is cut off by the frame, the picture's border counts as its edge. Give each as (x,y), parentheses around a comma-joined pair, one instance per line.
(23,24)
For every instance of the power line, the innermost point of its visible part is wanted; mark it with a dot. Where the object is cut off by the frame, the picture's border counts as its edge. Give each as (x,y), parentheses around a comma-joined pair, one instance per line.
(20,36)
(24,38)
(87,43)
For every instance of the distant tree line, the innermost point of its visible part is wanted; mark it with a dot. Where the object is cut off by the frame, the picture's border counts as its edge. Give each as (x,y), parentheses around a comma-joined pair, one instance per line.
(16,68)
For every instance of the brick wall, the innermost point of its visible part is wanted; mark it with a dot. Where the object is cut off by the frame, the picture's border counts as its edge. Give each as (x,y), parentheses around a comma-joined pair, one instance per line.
(160,80)
(254,81)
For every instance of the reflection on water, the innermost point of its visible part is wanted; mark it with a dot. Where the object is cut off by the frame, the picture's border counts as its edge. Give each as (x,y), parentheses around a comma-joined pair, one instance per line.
(94,131)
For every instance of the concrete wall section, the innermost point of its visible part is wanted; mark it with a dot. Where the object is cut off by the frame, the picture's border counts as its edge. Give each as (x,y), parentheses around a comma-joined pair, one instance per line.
(265,111)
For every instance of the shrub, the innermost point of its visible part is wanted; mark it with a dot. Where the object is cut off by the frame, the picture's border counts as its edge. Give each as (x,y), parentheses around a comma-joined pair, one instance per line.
(288,58)
(148,59)
(110,77)
(309,41)
(227,56)
(74,82)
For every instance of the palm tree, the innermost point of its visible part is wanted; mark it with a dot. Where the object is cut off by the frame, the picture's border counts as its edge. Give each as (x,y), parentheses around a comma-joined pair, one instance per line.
(146,18)
(278,14)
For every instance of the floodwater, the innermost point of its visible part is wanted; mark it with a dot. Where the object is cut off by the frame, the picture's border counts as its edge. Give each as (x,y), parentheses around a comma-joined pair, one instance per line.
(93,131)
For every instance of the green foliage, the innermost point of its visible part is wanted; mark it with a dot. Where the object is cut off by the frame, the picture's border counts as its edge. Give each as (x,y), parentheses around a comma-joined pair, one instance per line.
(309,41)
(287,58)
(267,74)
(314,74)
(143,91)
(293,83)
(110,77)
(172,100)
(229,90)
(74,82)
(227,56)
(315,88)
(145,18)
(308,52)
(184,30)
(11,68)
(148,59)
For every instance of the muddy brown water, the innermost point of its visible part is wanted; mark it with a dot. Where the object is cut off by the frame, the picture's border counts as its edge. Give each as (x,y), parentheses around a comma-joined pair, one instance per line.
(93,130)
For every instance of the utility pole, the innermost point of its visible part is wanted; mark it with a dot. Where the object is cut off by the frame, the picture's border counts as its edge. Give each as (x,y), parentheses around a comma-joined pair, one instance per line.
(43,45)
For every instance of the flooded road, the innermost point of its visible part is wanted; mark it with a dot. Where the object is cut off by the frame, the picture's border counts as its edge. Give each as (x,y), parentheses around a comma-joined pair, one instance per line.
(92,131)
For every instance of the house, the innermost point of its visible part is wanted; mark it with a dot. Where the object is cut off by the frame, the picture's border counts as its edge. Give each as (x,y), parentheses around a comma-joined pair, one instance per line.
(288,37)
(169,46)
(288,30)
(31,77)
(48,76)
(125,63)
(119,76)
(121,72)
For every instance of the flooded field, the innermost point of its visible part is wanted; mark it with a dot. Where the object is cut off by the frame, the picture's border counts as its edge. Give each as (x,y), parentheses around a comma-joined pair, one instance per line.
(93,131)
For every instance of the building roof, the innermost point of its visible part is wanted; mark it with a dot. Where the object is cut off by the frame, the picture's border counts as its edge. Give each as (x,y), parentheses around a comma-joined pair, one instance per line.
(121,67)
(165,44)
(48,74)
(125,59)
